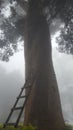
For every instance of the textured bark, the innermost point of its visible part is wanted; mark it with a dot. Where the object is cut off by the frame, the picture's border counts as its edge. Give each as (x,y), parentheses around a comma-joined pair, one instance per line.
(43,108)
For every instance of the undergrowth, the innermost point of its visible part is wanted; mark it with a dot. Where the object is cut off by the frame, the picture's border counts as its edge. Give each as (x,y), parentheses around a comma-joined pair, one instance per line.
(68,127)
(30,127)
(20,127)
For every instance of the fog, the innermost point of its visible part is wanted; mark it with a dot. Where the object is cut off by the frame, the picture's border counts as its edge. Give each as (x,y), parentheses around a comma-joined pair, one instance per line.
(63,65)
(11,81)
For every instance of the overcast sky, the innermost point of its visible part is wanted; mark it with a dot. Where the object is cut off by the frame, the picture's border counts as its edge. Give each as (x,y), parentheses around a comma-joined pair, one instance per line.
(11,81)
(63,65)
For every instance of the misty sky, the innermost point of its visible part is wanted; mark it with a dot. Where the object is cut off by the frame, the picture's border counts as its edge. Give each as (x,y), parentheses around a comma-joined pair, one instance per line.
(11,81)
(63,65)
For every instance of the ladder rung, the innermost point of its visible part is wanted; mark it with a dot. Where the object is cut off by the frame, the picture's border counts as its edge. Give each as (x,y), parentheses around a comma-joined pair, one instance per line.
(17,108)
(24,87)
(10,124)
(23,96)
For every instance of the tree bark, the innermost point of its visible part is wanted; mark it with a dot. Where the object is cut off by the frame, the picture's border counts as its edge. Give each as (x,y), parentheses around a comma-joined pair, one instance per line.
(43,108)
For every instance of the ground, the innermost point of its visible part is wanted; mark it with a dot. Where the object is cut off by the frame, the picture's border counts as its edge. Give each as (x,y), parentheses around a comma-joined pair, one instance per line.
(21,127)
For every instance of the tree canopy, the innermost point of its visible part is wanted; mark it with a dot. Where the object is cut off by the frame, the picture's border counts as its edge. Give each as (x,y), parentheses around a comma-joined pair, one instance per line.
(13,15)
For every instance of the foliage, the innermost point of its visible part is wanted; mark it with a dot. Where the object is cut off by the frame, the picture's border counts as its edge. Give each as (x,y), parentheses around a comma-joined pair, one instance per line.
(65,40)
(13,26)
(9,32)
(68,127)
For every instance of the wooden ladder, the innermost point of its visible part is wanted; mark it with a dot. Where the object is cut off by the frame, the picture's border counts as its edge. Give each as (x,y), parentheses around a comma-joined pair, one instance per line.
(28,85)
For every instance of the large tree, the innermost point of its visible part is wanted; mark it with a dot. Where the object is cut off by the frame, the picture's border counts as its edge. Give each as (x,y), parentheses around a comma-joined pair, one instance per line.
(43,108)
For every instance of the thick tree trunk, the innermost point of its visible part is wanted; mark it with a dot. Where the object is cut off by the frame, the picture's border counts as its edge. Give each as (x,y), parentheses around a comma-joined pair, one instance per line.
(43,108)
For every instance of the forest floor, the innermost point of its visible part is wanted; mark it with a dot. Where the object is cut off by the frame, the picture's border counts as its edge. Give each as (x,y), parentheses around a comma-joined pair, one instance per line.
(21,127)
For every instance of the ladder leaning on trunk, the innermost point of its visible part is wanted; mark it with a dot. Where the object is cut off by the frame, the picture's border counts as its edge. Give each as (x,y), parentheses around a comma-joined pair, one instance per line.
(28,85)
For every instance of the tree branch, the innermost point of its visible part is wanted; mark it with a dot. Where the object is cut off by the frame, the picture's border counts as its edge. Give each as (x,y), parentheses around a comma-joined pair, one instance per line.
(23,4)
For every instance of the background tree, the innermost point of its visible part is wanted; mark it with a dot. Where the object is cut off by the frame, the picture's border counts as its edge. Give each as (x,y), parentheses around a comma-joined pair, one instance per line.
(43,108)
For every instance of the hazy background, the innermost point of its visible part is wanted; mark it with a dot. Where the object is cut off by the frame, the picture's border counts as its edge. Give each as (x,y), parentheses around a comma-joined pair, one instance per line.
(11,81)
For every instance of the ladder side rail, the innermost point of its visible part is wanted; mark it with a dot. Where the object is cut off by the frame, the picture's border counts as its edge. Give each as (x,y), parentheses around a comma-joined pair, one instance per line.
(8,119)
(18,119)
(13,108)
(25,86)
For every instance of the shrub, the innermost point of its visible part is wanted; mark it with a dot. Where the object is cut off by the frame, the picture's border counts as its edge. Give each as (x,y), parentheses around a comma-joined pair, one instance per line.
(68,127)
